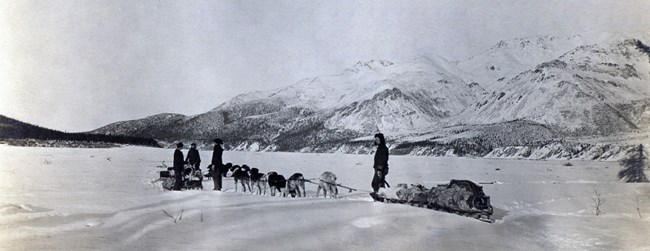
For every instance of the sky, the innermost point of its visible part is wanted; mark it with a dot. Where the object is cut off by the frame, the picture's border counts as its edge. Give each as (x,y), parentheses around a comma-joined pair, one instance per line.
(79,65)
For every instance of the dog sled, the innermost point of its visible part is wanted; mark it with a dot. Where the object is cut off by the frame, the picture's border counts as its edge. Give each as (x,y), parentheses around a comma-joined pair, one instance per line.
(192,178)
(461,197)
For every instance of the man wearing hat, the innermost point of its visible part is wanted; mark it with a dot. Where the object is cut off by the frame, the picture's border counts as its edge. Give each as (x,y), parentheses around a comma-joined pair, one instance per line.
(193,157)
(217,164)
(380,165)
(178,166)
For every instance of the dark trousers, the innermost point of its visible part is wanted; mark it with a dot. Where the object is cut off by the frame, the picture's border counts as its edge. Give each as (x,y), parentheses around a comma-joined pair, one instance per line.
(217,180)
(179,179)
(379,177)
(378,181)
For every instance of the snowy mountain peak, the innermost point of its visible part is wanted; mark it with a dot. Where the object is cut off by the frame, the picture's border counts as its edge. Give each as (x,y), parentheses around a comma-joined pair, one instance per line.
(508,58)
(562,85)
(598,88)
(539,42)
(369,65)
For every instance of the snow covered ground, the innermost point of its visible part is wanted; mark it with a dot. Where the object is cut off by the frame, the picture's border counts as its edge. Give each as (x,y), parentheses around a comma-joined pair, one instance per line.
(55,198)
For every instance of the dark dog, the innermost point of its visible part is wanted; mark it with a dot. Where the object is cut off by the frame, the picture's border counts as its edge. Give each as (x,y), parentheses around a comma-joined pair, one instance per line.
(240,174)
(225,169)
(277,182)
(296,184)
(258,180)
(222,170)
(328,184)
(210,171)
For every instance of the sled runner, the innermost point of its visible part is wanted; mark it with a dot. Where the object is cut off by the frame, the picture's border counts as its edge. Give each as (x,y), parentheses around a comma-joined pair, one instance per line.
(461,197)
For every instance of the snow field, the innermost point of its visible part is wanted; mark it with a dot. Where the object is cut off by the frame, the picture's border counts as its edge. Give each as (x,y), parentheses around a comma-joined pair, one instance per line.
(80,199)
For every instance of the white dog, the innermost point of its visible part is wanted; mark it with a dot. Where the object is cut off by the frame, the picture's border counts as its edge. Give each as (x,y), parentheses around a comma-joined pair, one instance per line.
(327,183)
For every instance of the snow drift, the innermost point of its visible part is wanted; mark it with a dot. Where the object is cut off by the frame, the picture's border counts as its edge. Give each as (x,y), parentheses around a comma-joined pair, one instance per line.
(103,199)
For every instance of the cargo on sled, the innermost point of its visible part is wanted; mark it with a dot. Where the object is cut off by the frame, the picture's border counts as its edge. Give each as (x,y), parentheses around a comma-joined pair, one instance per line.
(461,197)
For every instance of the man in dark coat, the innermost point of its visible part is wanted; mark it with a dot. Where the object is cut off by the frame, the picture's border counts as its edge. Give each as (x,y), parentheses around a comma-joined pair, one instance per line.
(381,163)
(193,157)
(217,164)
(178,166)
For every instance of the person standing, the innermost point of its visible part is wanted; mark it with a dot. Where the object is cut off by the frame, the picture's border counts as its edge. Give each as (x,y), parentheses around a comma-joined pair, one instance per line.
(217,164)
(178,166)
(193,157)
(380,165)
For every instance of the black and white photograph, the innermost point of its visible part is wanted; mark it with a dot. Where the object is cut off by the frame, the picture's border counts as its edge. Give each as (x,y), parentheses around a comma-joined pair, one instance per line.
(324,125)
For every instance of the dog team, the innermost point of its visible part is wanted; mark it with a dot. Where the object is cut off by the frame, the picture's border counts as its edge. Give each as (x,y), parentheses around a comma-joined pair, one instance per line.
(246,176)
(253,178)
(253,181)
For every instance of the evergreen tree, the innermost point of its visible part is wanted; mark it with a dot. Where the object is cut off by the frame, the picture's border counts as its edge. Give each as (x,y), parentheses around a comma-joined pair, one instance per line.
(633,167)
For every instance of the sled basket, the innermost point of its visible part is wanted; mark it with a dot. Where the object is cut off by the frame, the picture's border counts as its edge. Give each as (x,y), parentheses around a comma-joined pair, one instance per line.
(461,197)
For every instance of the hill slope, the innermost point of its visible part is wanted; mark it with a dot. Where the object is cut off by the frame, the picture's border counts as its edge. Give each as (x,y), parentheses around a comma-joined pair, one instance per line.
(11,129)
(590,90)
(548,87)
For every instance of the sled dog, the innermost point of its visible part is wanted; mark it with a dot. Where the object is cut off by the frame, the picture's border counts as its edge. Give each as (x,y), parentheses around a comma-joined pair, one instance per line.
(277,182)
(240,174)
(296,184)
(328,184)
(258,180)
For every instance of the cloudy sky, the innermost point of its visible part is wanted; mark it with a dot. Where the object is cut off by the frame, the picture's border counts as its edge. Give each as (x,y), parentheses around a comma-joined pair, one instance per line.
(78,65)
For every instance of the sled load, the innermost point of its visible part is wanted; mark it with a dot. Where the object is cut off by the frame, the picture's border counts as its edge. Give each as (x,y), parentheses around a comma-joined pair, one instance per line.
(461,197)
(192,178)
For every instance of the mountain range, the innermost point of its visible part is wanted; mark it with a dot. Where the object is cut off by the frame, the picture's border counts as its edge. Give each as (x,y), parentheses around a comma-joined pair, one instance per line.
(526,92)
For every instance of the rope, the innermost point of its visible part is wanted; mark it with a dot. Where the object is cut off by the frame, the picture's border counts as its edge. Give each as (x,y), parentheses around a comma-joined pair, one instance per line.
(335,184)
(351,189)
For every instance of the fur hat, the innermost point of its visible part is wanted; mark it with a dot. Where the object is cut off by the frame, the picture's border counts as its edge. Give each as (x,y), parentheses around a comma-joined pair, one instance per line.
(381,138)
(218,141)
(179,145)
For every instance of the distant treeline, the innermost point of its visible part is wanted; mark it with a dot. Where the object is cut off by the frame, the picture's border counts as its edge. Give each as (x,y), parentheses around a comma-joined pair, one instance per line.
(14,129)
